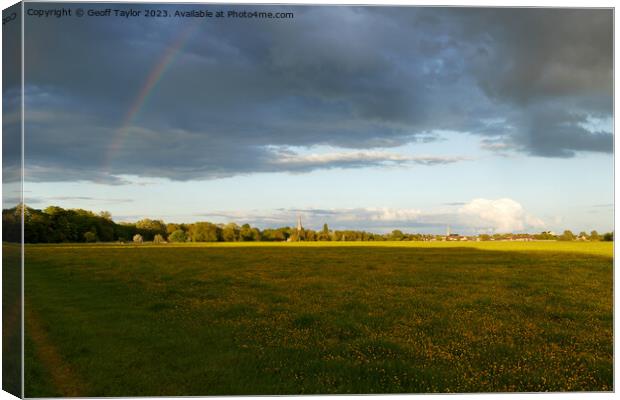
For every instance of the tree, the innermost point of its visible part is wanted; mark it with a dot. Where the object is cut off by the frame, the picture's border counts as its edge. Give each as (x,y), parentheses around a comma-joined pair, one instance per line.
(106,215)
(149,228)
(245,233)
(11,226)
(546,235)
(230,232)
(608,237)
(137,238)
(170,228)
(204,232)
(105,230)
(158,239)
(124,231)
(567,236)
(298,235)
(274,235)
(54,210)
(256,234)
(594,236)
(310,235)
(178,236)
(397,235)
(90,237)
(280,235)
(324,235)
(249,234)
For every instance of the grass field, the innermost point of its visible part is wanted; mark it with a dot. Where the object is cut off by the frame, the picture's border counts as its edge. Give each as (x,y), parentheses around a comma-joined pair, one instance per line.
(121,320)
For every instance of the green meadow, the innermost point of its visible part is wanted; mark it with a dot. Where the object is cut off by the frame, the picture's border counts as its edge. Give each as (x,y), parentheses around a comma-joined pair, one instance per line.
(295,318)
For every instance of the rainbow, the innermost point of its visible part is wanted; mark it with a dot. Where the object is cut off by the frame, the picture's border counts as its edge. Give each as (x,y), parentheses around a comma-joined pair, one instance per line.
(152,80)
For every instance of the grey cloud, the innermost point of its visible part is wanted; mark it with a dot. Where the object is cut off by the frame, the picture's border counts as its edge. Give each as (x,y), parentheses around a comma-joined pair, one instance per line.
(554,67)
(88,198)
(11,51)
(558,133)
(533,62)
(543,53)
(10,202)
(189,155)
(42,172)
(11,134)
(348,77)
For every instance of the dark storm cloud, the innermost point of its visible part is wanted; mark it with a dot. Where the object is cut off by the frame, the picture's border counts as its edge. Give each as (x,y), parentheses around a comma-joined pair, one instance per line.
(360,80)
(555,67)
(530,54)
(11,96)
(559,133)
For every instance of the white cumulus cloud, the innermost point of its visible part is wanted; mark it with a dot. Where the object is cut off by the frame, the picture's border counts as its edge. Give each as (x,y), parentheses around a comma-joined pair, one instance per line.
(501,215)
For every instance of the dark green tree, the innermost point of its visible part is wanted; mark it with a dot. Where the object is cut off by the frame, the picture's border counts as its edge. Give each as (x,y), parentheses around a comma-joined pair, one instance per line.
(90,237)
(148,228)
(245,233)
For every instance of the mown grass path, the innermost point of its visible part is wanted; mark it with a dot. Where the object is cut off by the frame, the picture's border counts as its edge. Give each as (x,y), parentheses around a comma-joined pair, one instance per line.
(63,377)
(281,319)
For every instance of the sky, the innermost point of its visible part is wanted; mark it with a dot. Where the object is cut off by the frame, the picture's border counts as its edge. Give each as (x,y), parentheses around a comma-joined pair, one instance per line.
(373,118)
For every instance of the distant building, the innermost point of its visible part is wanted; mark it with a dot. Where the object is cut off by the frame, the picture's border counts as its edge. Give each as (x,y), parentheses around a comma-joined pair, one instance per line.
(299,232)
(299,227)
(454,236)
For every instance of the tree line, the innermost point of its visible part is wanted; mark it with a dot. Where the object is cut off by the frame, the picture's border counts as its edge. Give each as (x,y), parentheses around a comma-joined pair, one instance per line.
(58,225)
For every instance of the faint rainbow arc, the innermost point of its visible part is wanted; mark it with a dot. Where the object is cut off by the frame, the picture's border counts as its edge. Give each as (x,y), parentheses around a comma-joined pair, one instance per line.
(153,78)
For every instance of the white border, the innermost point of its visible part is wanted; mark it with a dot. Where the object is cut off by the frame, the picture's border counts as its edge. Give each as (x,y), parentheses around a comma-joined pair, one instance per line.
(470,3)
